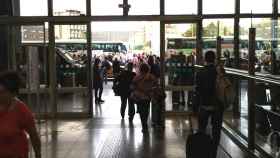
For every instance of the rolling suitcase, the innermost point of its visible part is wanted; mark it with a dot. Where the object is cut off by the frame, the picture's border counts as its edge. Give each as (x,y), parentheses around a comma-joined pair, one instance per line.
(198,145)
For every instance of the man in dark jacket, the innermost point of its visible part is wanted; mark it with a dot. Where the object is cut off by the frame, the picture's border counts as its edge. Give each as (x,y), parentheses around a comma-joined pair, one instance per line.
(125,80)
(209,107)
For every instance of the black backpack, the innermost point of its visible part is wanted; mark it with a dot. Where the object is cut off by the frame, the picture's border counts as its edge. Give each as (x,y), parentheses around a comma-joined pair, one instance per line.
(117,86)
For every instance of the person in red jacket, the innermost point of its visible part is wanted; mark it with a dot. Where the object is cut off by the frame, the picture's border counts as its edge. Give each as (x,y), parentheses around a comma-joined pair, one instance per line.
(16,121)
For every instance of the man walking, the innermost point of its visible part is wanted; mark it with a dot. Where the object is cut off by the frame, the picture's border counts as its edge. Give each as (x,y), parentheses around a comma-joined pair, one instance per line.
(209,107)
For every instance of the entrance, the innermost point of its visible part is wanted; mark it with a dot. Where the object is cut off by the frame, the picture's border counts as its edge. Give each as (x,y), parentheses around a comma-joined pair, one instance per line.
(58,69)
(179,60)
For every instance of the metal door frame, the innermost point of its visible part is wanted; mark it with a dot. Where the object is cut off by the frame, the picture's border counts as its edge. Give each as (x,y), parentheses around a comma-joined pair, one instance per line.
(163,53)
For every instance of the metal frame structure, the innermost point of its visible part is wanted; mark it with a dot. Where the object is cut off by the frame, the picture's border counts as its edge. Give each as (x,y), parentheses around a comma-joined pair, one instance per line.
(161,17)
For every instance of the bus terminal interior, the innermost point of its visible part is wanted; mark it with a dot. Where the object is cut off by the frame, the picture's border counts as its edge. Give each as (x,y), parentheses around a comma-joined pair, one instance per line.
(52,44)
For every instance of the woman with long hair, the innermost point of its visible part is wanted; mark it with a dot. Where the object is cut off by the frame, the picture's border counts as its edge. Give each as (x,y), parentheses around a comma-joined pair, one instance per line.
(143,85)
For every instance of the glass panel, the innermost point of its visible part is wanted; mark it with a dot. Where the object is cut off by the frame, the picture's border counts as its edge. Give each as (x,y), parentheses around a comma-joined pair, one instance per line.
(179,59)
(255,6)
(140,7)
(31,58)
(275,55)
(71,58)
(210,6)
(125,37)
(219,27)
(27,7)
(180,7)
(69,7)
(263,43)
(106,7)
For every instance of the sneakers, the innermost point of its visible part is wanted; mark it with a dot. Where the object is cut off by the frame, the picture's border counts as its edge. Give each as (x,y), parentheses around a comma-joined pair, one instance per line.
(99,101)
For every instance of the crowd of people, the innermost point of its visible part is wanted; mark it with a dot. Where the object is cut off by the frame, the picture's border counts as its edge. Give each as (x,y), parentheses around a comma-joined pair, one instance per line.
(137,85)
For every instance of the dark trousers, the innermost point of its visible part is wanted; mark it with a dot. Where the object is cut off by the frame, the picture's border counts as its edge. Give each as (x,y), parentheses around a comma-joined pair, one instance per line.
(98,93)
(157,111)
(216,122)
(144,110)
(131,108)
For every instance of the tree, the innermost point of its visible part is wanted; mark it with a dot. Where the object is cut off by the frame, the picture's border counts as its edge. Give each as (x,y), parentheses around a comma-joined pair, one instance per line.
(191,32)
(211,30)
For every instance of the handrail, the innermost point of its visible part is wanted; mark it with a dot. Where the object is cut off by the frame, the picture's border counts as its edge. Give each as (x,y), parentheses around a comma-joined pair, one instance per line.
(258,76)
(243,73)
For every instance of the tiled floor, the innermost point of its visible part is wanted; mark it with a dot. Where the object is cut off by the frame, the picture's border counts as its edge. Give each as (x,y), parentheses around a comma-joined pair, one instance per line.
(107,136)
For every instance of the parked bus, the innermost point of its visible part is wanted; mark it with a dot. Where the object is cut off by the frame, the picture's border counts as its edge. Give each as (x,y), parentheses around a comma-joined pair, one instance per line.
(187,45)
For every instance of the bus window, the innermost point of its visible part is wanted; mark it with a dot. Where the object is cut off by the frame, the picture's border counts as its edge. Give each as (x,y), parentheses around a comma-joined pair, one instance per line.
(171,44)
(209,44)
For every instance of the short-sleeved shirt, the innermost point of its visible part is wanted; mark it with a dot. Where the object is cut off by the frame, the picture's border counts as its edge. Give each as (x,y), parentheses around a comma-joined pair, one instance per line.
(13,126)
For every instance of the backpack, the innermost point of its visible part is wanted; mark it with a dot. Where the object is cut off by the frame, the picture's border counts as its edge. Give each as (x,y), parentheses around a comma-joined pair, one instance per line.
(117,86)
(224,91)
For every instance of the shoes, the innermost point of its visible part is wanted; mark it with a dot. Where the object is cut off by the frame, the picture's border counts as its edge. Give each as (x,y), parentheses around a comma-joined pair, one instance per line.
(130,120)
(101,101)
(96,102)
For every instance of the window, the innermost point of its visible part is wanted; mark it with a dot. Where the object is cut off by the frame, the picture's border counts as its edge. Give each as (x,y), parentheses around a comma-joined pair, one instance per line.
(140,7)
(173,7)
(210,6)
(69,7)
(219,27)
(211,28)
(259,6)
(106,7)
(27,7)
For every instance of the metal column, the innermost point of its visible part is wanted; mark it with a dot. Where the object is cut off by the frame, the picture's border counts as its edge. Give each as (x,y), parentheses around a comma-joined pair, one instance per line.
(236,106)
(251,90)
(199,42)
(52,72)
(219,48)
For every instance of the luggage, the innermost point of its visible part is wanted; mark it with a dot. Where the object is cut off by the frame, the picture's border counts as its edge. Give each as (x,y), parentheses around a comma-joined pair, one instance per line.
(198,145)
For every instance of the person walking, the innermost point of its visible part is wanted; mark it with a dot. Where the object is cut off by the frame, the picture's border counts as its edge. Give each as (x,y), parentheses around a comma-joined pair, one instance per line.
(125,80)
(106,66)
(143,84)
(209,105)
(98,81)
(155,71)
(16,120)
(116,66)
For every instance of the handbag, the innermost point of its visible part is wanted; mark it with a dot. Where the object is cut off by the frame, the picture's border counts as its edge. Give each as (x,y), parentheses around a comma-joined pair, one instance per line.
(225,92)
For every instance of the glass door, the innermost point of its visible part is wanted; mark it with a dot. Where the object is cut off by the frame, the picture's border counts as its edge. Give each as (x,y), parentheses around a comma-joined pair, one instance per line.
(29,56)
(179,60)
(71,69)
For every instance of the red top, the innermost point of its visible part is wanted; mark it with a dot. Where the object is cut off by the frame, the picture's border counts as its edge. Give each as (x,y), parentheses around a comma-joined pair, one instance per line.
(13,126)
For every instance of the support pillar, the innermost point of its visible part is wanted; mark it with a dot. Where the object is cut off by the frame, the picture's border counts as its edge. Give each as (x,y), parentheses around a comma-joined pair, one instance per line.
(252,90)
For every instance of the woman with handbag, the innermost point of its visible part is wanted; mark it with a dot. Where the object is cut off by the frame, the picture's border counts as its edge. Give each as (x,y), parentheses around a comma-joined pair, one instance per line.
(143,84)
